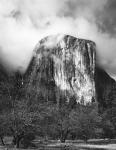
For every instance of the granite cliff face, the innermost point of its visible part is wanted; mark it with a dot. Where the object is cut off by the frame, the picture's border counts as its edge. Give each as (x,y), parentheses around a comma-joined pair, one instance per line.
(62,69)
(104,85)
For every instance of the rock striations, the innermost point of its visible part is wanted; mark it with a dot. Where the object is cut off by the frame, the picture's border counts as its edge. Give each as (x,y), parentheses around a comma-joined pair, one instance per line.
(62,69)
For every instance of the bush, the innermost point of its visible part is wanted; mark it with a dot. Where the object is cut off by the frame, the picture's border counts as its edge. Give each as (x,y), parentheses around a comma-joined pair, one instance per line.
(27,140)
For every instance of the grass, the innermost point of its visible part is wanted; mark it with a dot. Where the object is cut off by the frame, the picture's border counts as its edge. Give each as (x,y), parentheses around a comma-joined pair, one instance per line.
(93,144)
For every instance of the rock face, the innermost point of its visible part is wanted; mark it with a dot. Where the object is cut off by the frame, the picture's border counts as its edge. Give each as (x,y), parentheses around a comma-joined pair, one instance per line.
(104,84)
(62,69)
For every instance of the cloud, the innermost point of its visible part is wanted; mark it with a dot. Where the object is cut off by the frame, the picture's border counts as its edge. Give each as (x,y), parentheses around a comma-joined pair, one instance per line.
(24,22)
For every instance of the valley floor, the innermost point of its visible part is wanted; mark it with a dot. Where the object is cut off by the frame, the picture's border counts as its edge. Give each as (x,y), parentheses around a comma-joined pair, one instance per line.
(87,146)
(71,145)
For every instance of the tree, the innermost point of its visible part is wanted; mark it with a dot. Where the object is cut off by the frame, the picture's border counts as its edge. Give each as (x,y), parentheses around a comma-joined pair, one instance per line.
(5,106)
(15,109)
(107,124)
(86,121)
(62,122)
(53,122)
(3,127)
(19,121)
(80,122)
(109,115)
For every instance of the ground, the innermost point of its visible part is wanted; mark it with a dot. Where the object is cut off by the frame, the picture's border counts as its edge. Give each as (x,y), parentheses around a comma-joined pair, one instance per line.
(71,145)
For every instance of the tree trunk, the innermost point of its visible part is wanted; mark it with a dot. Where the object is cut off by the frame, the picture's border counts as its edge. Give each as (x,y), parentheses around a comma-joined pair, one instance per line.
(63,136)
(2,141)
(85,139)
(17,143)
(16,140)
(62,140)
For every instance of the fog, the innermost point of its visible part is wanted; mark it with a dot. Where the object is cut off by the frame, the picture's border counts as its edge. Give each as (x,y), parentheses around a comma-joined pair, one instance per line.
(24,22)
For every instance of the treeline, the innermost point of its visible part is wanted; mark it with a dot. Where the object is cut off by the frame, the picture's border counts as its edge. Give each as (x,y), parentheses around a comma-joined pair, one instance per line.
(26,118)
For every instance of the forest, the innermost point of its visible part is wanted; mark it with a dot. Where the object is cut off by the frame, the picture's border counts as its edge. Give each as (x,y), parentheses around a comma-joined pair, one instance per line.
(25,118)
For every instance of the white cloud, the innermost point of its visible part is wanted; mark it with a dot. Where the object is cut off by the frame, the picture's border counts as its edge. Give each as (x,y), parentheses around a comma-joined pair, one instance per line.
(24,22)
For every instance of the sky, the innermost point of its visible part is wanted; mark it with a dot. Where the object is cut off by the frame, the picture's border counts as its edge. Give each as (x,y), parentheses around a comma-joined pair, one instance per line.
(24,22)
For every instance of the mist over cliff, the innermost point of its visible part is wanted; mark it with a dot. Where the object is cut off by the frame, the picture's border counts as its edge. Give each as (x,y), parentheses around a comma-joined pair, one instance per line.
(64,68)
(24,22)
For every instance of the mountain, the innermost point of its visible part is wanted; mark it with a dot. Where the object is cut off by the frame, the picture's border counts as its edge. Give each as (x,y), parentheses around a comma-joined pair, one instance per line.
(62,70)
(104,85)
